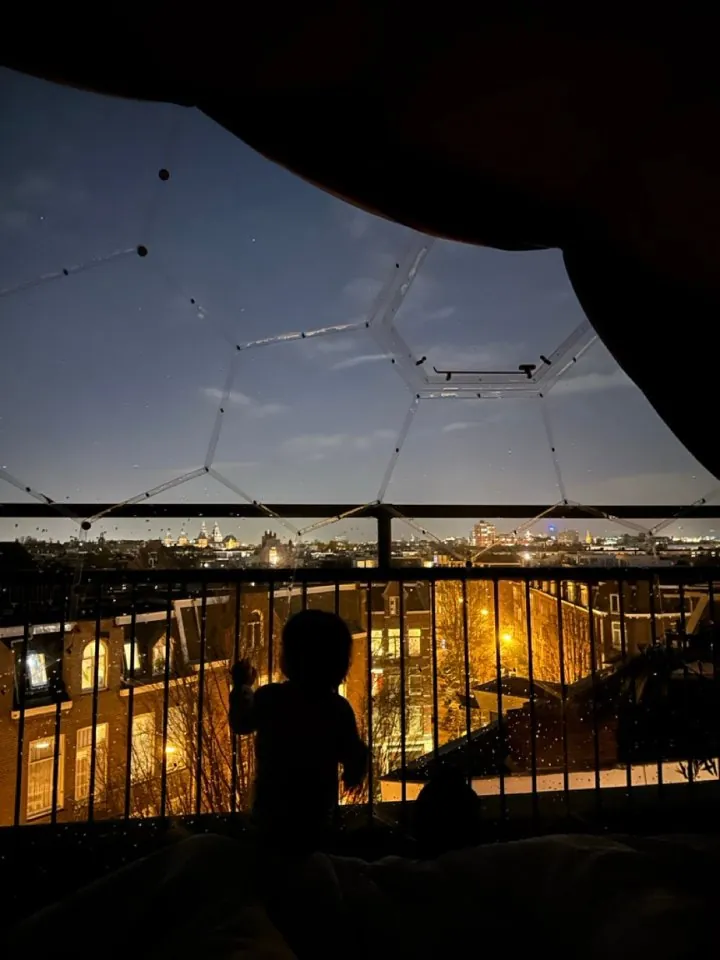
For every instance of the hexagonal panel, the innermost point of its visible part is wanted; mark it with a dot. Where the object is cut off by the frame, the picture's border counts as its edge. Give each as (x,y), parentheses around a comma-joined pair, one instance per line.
(309,422)
(262,251)
(611,445)
(473,309)
(104,390)
(79,176)
(475,451)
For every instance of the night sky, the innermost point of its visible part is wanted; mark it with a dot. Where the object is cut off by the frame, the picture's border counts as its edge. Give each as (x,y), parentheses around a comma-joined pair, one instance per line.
(111,377)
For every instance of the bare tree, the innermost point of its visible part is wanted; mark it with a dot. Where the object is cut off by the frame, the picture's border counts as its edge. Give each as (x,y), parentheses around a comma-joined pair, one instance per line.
(458,610)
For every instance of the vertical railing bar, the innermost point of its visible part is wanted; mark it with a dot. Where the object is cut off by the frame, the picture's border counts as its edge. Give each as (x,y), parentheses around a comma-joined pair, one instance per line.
(234,739)
(131,697)
(57,693)
(533,715)
(166,700)
(21,704)
(403,724)
(624,655)
(466,669)
(384,539)
(501,721)
(715,655)
(654,640)
(593,671)
(433,652)
(685,643)
(368,616)
(271,630)
(563,700)
(95,700)
(338,792)
(201,699)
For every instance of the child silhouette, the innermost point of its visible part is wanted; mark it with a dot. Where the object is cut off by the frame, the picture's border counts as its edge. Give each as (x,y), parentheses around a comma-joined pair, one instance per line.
(304,729)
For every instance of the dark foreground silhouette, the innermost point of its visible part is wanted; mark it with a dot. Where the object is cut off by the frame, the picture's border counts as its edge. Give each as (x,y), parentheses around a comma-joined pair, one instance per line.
(304,730)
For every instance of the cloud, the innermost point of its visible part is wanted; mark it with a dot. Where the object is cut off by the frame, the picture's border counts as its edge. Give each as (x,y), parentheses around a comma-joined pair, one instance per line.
(33,185)
(592,382)
(316,446)
(15,219)
(313,445)
(362,289)
(458,425)
(365,441)
(442,313)
(359,361)
(358,223)
(237,399)
(337,343)
(492,356)
(671,487)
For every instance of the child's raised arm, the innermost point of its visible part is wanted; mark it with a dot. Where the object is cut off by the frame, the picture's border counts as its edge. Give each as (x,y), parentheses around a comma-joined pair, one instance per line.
(353,751)
(241,713)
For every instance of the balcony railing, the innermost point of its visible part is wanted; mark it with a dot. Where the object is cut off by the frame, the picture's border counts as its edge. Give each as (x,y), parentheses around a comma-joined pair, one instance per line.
(555,691)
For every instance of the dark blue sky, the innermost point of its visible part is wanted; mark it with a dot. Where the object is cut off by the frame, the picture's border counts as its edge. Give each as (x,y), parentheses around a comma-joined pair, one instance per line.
(111,378)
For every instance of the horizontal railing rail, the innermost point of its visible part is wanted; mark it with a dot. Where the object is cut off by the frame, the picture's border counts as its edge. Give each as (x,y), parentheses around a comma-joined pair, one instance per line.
(375,574)
(552,690)
(431,511)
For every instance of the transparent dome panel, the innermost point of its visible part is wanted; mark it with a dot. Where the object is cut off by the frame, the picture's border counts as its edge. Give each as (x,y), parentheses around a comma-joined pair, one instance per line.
(260,250)
(79,175)
(104,384)
(310,421)
(611,445)
(475,451)
(471,308)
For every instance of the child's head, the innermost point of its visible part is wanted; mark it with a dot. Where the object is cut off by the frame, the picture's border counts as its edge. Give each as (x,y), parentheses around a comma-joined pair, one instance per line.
(316,648)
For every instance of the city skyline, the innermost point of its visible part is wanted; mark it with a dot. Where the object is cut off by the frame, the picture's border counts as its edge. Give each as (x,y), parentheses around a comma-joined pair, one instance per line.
(112,376)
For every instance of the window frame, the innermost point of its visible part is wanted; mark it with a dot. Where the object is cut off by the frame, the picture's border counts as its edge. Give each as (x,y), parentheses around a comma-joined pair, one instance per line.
(49,763)
(101,759)
(102,673)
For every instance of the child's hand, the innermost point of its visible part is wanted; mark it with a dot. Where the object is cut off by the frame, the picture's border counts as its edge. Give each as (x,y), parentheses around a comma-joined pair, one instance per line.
(243,673)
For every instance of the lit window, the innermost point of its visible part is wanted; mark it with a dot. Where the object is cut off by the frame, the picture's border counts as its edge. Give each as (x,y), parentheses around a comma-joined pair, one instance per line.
(616,635)
(393,637)
(132,658)
(143,747)
(41,766)
(158,656)
(415,684)
(36,671)
(254,630)
(83,761)
(88,666)
(571,591)
(583,595)
(378,643)
(394,606)
(614,603)
(414,728)
(176,744)
(414,641)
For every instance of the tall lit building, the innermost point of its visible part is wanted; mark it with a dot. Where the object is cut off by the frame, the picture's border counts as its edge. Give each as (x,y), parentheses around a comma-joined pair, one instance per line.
(484,533)
(568,537)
